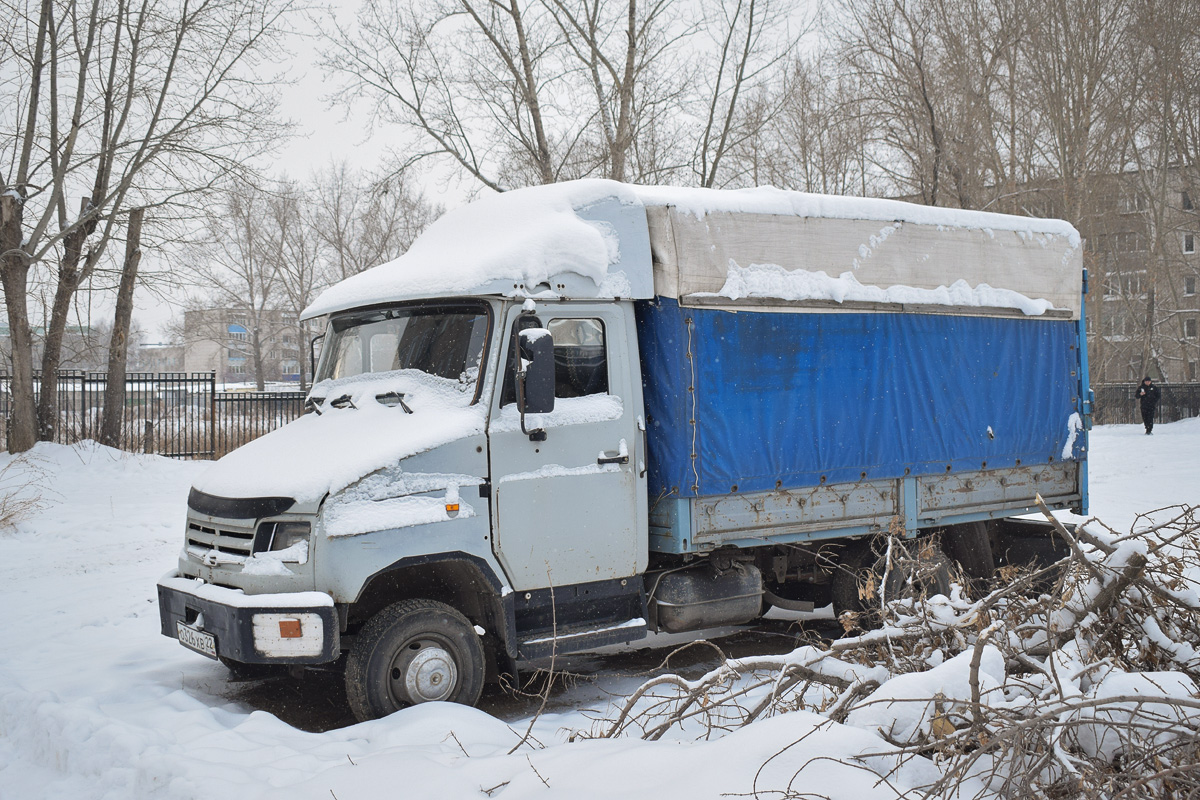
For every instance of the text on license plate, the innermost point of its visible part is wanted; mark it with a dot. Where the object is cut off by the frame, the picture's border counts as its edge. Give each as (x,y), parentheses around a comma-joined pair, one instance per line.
(199,641)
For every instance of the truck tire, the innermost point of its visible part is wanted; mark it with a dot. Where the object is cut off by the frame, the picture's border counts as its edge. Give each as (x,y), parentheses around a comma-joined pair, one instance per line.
(926,579)
(414,651)
(970,545)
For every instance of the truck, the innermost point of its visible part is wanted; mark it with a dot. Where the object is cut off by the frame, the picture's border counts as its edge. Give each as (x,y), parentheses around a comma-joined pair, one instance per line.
(572,415)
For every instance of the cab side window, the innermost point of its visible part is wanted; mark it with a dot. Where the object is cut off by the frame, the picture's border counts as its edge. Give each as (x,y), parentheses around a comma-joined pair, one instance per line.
(580,360)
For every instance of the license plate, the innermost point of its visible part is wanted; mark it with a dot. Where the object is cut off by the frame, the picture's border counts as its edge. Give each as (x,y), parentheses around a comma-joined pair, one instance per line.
(196,640)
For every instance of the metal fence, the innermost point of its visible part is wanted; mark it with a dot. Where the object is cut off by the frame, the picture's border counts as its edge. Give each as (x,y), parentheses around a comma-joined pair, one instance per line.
(1115,403)
(176,414)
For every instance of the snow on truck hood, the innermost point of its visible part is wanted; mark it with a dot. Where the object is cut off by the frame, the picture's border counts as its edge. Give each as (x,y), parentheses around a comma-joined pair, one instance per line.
(591,238)
(318,454)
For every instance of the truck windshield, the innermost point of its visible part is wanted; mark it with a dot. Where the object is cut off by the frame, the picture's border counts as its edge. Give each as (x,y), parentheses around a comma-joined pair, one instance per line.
(444,340)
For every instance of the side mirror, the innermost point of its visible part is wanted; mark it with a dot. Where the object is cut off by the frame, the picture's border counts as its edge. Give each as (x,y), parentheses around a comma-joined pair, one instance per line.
(535,372)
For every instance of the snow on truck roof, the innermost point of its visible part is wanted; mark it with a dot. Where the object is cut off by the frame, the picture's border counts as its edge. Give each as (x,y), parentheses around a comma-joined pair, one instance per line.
(731,248)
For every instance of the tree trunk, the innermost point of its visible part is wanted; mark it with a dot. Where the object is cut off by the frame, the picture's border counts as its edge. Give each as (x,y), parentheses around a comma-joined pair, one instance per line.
(14,275)
(69,278)
(118,348)
(259,384)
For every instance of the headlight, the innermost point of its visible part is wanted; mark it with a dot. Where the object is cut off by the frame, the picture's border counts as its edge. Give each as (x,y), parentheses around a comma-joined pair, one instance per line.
(285,534)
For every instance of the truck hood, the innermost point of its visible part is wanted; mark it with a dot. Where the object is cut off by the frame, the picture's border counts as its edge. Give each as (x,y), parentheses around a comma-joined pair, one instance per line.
(322,453)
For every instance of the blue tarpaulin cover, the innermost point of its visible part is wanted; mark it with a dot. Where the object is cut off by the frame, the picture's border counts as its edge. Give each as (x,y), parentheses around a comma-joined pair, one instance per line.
(782,400)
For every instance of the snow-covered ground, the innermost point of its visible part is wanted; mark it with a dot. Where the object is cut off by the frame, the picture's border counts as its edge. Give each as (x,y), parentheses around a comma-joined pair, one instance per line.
(95,703)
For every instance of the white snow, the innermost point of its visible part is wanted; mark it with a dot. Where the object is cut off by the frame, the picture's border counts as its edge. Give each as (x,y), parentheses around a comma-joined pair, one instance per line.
(775,282)
(1074,428)
(558,471)
(316,454)
(766,200)
(95,704)
(239,599)
(353,518)
(272,563)
(567,411)
(904,708)
(526,237)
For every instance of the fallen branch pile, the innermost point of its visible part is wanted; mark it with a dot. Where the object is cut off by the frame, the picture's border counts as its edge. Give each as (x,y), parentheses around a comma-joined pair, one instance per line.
(1080,679)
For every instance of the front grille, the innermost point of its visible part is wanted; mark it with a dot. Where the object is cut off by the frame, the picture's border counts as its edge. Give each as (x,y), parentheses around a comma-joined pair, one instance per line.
(228,539)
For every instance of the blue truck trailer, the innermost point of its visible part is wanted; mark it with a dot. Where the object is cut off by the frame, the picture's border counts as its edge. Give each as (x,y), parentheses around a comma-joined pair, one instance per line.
(572,415)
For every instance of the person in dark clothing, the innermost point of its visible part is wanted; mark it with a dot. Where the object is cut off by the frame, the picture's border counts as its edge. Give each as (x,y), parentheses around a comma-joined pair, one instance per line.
(1148,395)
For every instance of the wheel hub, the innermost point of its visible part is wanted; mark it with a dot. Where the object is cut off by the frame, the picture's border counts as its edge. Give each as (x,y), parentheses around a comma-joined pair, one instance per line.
(429,675)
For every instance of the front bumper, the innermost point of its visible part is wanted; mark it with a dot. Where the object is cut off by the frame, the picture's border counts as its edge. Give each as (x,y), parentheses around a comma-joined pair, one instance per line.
(251,628)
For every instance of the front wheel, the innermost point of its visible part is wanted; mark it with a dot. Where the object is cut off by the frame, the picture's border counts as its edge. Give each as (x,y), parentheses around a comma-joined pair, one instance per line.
(415,651)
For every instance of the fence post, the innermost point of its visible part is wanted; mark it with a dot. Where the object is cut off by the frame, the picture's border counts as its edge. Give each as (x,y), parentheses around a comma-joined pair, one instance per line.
(148,438)
(212,415)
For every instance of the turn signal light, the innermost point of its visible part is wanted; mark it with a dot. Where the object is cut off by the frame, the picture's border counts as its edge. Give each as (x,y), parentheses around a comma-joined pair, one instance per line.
(289,629)
(451,508)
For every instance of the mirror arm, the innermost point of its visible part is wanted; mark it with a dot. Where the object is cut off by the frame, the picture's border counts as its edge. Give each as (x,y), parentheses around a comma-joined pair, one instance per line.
(312,354)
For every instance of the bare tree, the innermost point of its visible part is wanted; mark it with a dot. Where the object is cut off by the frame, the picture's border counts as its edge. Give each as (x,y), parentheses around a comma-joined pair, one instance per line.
(943,85)
(753,42)
(523,93)
(808,133)
(237,265)
(470,78)
(1073,57)
(892,48)
(118,349)
(268,250)
(361,222)
(118,104)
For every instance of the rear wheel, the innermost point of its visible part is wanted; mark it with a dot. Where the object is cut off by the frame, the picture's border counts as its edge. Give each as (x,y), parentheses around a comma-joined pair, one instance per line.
(415,651)
(857,587)
(970,545)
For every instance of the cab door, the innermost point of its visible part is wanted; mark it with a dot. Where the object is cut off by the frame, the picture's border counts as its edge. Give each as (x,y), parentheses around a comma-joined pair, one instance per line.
(571,508)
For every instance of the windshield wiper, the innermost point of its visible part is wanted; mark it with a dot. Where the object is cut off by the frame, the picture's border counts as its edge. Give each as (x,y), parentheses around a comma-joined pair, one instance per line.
(393,399)
(314,404)
(342,402)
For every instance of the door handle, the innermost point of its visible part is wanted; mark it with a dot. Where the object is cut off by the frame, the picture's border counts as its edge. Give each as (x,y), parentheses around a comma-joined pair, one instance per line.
(620,457)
